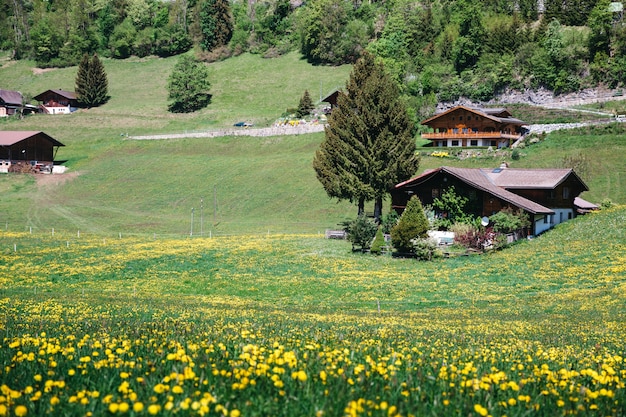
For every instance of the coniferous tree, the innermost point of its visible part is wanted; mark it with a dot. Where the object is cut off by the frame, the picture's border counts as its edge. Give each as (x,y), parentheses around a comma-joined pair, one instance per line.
(306,105)
(369,145)
(216,23)
(412,224)
(91,82)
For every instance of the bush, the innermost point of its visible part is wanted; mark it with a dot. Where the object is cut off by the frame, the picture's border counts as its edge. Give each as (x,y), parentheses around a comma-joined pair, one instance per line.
(424,249)
(515,155)
(413,224)
(379,242)
(389,221)
(508,221)
(476,238)
(606,204)
(361,231)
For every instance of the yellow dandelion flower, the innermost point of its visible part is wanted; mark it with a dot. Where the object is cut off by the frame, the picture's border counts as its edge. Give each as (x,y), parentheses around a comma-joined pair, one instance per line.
(154,409)
(480,410)
(138,407)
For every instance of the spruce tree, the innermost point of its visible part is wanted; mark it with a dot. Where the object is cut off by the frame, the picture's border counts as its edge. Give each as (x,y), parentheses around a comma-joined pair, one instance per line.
(306,105)
(91,82)
(413,224)
(368,145)
(216,23)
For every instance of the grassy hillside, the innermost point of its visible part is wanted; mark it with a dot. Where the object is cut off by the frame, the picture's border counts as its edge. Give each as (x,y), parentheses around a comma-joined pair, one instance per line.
(248,185)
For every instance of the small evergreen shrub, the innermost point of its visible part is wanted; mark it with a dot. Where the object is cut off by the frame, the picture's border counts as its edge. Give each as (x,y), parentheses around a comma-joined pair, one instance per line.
(379,242)
(413,224)
(424,249)
(361,231)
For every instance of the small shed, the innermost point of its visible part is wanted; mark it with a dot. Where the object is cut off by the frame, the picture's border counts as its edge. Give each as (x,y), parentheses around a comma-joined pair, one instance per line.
(27,151)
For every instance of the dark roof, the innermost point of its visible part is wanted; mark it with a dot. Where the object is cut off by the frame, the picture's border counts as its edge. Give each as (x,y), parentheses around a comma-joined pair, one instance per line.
(497,115)
(497,181)
(11,97)
(70,95)
(11,137)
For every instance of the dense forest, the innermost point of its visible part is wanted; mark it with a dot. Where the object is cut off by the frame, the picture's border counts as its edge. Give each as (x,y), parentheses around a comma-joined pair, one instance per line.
(436,50)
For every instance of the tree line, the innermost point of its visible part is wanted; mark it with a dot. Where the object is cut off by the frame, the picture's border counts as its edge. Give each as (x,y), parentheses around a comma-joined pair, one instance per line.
(435,50)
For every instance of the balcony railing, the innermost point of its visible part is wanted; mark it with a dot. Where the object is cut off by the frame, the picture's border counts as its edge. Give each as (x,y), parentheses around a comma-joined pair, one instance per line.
(470,135)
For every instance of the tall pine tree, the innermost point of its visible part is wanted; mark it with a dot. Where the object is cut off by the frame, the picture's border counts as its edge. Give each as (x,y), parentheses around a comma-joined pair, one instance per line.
(216,23)
(91,82)
(368,145)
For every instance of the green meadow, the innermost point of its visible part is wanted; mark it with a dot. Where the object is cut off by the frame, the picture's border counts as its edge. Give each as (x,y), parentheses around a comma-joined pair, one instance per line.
(297,325)
(191,277)
(233,184)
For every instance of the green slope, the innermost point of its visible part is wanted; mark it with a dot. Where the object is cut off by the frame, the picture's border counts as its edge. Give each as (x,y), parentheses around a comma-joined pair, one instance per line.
(248,185)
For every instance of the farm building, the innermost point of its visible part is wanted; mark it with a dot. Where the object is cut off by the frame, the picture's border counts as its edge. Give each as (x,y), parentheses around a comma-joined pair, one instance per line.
(10,102)
(57,101)
(27,151)
(473,127)
(547,195)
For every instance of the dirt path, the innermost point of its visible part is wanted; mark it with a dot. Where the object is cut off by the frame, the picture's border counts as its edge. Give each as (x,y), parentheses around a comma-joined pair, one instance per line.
(283,130)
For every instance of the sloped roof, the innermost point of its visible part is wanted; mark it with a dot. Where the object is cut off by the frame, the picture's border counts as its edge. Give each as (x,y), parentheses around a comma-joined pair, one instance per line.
(11,97)
(496,182)
(585,205)
(513,178)
(11,137)
(486,113)
(70,95)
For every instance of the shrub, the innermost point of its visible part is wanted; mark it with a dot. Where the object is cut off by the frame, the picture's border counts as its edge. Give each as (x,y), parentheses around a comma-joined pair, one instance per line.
(606,203)
(389,221)
(413,224)
(379,242)
(507,221)
(424,249)
(515,155)
(476,238)
(361,231)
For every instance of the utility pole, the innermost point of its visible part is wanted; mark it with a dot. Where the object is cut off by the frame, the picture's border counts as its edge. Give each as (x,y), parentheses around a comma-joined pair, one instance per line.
(201,216)
(191,231)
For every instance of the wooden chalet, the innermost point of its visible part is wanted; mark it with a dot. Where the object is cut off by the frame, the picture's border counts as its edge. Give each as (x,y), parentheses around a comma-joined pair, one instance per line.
(27,151)
(547,195)
(57,101)
(474,127)
(11,102)
(331,99)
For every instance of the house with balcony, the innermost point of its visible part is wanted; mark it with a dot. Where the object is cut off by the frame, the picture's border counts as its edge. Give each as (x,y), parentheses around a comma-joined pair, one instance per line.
(57,101)
(463,126)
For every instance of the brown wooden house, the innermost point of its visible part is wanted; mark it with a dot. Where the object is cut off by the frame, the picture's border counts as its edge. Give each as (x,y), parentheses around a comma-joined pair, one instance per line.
(547,195)
(10,102)
(474,127)
(24,151)
(57,101)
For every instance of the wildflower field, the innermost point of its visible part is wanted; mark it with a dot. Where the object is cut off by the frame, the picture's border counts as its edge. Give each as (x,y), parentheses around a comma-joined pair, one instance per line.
(296,325)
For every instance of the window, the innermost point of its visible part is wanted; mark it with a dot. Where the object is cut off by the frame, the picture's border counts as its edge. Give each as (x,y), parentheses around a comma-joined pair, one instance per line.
(551,195)
(435,193)
(460,118)
(493,143)
(473,142)
(545,219)
(565,192)
(455,143)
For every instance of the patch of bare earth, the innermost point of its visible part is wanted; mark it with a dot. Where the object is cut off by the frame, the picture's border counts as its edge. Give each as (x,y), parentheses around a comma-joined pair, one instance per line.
(51,180)
(39,71)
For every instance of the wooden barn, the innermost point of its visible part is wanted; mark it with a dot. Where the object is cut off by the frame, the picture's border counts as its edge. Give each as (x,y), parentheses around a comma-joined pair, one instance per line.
(57,101)
(473,127)
(547,195)
(27,151)
(10,102)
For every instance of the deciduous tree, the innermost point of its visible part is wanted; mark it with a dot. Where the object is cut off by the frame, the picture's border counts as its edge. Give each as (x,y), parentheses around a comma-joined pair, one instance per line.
(188,86)
(368,145)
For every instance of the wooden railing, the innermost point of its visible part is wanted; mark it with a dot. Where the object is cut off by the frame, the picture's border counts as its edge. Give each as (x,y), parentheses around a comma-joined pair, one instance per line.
(470,135)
